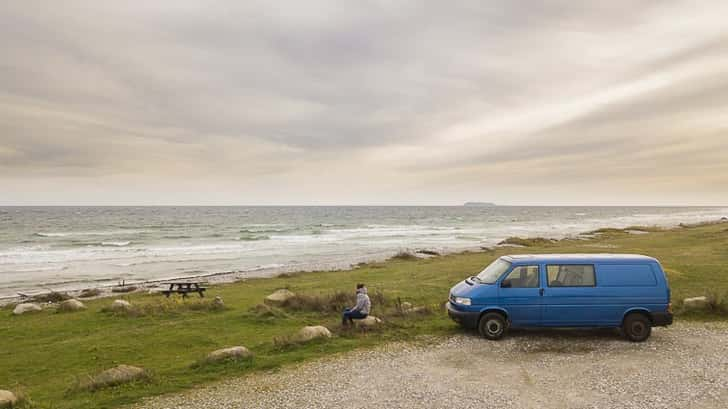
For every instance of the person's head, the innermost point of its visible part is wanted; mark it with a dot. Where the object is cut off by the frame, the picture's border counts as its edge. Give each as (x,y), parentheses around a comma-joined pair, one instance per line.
(360,286)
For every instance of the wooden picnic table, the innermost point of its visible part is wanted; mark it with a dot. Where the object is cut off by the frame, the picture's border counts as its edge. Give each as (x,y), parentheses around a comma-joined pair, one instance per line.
(184,288)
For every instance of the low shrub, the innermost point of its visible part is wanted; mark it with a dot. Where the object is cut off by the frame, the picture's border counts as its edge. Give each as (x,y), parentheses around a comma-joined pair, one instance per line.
(334,302)
(52,296)
(90,292)
(404,255)
(717,302)
(328,303)
(527,242)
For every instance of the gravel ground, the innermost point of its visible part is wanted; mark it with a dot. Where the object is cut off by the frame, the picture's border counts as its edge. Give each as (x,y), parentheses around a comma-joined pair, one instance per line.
(684,366)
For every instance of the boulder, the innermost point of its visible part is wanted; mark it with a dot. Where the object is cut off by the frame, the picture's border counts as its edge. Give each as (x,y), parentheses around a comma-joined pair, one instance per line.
(115,376)
(120,305)
(369,322)
(309,333)
(25,308)
(218,303)
(695,303)
(71,305)
(7,399)
(238,352)
(279,296)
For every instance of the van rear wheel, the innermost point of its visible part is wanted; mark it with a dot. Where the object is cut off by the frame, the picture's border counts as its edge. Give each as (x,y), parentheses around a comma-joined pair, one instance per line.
(637,327)
(492,326)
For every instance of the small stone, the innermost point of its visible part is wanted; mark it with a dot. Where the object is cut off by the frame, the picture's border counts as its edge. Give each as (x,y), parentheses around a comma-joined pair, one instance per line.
(279,296)
(120,305)
(406,305)
(71,305)
(238,352)
(7,399)
(313,332)
(25,308)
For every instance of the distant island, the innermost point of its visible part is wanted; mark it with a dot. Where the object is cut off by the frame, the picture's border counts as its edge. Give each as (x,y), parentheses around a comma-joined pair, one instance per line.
(479,204)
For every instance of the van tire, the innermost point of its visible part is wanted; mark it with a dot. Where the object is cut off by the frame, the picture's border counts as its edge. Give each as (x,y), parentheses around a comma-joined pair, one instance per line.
(637,327)
(492,326)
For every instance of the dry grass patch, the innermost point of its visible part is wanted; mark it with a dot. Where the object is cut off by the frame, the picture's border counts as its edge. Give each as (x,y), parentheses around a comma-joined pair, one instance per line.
(165,307)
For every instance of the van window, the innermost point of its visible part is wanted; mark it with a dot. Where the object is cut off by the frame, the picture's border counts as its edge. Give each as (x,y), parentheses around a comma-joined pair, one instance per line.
(626,275)
(522,277)
(571,275)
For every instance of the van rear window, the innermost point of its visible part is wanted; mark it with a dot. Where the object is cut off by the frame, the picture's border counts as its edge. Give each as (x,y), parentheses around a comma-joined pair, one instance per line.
(626,275)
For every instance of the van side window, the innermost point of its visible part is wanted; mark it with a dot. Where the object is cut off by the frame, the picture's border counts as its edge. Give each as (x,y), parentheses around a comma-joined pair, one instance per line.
(573,275)
(522,277)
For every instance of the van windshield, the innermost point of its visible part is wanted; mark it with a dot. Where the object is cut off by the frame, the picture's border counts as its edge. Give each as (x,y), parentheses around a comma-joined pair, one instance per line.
(493,271)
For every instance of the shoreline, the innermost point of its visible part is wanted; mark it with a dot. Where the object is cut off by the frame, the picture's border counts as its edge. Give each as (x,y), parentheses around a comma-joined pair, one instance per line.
(232,276)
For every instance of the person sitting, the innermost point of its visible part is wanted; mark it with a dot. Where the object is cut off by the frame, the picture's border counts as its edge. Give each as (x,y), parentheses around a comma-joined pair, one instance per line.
(360,310)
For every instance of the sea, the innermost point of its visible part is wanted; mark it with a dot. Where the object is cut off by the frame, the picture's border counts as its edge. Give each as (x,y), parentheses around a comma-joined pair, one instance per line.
(71,248)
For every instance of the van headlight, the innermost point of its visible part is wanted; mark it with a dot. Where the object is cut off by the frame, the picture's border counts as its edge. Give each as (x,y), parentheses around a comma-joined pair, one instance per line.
(462,300)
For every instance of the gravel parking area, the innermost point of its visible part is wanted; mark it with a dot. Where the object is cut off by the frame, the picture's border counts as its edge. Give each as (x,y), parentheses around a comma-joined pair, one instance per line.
(683,366)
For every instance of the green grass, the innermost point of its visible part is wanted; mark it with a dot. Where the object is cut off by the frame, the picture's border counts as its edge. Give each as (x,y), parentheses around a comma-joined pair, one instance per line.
(44,355)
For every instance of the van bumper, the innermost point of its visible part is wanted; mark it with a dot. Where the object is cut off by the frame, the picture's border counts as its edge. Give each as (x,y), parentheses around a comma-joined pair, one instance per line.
(468,319)
(661,319)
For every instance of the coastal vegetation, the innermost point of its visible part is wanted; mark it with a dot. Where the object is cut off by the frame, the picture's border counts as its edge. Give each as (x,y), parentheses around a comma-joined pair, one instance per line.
(47,357)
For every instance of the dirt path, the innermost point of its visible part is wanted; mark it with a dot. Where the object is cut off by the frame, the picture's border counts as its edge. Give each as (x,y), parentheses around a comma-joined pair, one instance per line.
(679,367)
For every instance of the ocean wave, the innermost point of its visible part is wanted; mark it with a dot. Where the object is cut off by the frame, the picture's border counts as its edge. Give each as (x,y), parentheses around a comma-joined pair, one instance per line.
(253,238)
(52,234)
(89,233)
(116,243)
(271,228)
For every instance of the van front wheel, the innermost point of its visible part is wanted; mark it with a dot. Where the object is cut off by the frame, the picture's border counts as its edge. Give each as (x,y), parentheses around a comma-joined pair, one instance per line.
(637,327)
(492,326)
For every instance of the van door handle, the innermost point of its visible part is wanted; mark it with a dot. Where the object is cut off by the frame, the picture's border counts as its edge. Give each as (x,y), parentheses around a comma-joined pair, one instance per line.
(540,292)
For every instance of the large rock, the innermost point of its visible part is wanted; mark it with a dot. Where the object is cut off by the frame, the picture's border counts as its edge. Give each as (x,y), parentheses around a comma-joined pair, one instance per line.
(25,308)
(71,305)
(369,322)
(115,376)
(279,296)
(313,332)
(7,399)
(120,305)
(695,303)
(238,352)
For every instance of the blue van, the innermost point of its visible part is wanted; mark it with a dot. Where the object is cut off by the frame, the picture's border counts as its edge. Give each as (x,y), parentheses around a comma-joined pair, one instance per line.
(564,290)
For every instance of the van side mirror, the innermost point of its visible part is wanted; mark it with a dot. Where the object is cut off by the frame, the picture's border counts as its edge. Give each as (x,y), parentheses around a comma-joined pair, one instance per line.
(506,283)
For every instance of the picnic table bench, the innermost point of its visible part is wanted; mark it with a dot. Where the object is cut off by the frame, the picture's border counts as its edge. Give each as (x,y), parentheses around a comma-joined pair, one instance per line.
(184,288)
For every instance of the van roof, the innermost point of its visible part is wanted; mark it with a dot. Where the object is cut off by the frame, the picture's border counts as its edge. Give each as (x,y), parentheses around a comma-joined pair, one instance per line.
(576,258)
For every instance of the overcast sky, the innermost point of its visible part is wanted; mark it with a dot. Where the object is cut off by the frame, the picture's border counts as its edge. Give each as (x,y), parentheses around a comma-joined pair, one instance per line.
(353,102)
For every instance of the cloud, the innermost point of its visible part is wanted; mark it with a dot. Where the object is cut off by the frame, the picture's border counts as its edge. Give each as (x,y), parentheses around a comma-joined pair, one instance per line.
(413,101)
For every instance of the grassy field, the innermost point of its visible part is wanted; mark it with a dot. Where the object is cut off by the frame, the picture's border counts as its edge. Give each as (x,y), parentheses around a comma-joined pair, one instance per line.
(44,355)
